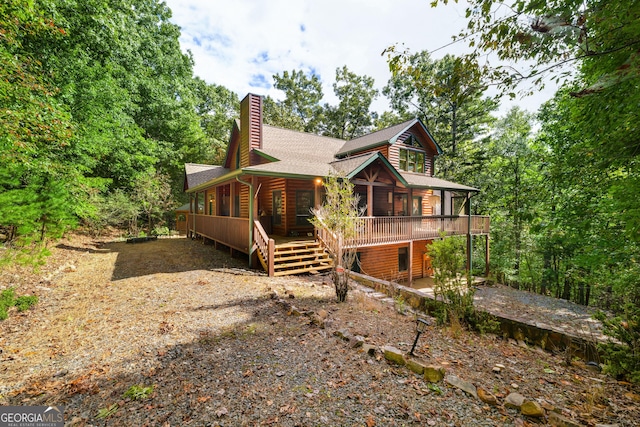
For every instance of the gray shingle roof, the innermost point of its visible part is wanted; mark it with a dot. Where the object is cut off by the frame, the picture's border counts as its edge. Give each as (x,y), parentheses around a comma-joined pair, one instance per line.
(196,174)
(289,145)
(374,139)
(417,180)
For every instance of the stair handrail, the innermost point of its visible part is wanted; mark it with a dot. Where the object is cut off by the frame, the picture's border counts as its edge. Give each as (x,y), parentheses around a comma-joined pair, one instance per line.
(266,246)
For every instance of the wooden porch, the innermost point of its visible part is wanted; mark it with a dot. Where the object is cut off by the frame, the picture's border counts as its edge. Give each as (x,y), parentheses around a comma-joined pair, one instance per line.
(373,231)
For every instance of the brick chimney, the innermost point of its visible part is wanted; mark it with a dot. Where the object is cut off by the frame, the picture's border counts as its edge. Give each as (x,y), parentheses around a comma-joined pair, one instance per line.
(250,126)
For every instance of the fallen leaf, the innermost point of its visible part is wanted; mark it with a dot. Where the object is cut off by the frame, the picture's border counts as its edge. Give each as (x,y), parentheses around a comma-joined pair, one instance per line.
(370,421)
(222,412)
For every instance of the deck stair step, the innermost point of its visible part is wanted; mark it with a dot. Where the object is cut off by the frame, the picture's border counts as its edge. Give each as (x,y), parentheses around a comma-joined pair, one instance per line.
(300,257)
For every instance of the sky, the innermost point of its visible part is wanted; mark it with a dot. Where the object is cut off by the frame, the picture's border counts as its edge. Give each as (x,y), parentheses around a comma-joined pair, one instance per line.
(241,44)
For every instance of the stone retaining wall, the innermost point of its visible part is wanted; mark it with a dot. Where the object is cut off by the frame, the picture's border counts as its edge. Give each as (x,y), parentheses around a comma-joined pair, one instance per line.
(553,341)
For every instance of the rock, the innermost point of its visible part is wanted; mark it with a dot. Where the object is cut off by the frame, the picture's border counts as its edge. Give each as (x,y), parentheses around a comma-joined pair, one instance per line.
(318,321)
(342,334)
(369,349)
(514,400)
(61,373)
(487,397)
(607,425)
(557,420)
(515,386)
(415,366)
(394,355)
(496,369)
(356,341)
(499,365)
(463,385)
(322,313)
(433,374)
(531,408)
(293,311)
(274,295)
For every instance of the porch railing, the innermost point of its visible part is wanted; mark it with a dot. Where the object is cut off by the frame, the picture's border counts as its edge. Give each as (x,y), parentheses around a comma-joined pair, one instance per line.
(373,231)
(230,231)
(266,247)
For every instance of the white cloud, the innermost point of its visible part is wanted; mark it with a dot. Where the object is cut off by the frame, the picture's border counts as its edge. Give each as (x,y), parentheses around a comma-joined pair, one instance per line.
(241,44)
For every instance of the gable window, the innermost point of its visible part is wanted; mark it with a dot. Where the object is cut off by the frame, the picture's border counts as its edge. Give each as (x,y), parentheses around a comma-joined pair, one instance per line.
(412,157)
(304,203)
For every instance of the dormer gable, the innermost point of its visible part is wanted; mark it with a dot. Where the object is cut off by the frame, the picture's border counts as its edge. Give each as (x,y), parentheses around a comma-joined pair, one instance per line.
(408,146)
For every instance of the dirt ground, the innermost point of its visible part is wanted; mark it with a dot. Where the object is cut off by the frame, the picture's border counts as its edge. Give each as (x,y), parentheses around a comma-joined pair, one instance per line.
(203,341)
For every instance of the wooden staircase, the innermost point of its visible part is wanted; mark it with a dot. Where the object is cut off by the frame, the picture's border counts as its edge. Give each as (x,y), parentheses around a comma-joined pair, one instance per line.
(297,257)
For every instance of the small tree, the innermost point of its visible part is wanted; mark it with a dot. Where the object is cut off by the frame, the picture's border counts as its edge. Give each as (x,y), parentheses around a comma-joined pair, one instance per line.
(447,257)
(339,216)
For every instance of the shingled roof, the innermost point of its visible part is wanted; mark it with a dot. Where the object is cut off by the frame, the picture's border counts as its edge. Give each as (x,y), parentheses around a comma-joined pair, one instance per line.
(289,145)
(196,174)
(418,180)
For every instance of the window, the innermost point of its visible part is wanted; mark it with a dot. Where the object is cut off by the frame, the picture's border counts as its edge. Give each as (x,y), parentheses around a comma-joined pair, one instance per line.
(413,156)
(276,200)
(411,160)
(416,206)
(402,259)
(304,203)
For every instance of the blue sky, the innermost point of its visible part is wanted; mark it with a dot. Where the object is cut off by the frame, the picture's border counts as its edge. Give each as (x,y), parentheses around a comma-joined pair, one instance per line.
(241,44)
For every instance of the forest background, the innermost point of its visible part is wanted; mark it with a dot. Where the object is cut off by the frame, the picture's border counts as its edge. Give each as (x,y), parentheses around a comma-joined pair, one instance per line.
(100,110)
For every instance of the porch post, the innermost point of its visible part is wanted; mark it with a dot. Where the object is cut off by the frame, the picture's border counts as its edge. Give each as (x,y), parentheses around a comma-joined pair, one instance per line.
(251,196)
(486,258)
(410,278)
(469,241)
(369,200)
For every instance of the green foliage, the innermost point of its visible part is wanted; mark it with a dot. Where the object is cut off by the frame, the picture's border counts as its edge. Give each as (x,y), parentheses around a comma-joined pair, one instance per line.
(137,392)
(450,284)
(105,413)
(8,299)
(447,94)
(351,117)
(24,302)
(339,216)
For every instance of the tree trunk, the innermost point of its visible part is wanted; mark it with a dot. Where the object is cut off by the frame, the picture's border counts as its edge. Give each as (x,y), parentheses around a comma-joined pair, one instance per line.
(341,283)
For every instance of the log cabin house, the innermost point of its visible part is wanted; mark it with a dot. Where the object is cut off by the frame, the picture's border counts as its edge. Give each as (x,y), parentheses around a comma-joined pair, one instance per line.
(258,202)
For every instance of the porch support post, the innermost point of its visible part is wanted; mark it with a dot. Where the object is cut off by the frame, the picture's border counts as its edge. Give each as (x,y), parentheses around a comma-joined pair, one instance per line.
(369,200)
(486,258)
(410,277)
(469,241)
(251,225)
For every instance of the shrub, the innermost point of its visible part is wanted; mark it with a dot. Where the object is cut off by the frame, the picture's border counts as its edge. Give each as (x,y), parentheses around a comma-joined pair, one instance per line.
(24,302)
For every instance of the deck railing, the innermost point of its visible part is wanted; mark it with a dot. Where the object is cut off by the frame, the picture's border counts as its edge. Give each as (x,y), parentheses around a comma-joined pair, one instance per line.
(230,231)
(373,231)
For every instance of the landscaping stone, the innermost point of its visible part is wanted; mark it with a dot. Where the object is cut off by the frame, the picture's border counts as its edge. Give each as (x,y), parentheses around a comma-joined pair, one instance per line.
(531,408)
(394,355)
(369,349)
(342,334)
(463,385)
(557,420)
(514,400)
(487,397)
(433,374)
(415,366)
(356,341)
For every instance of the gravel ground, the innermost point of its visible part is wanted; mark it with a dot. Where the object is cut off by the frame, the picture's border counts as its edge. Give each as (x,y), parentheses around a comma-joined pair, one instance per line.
(206,334)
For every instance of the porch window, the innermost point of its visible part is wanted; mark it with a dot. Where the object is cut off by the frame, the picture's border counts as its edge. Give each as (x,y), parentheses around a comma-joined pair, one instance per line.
(416,206)
(304,203)
(403,258)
